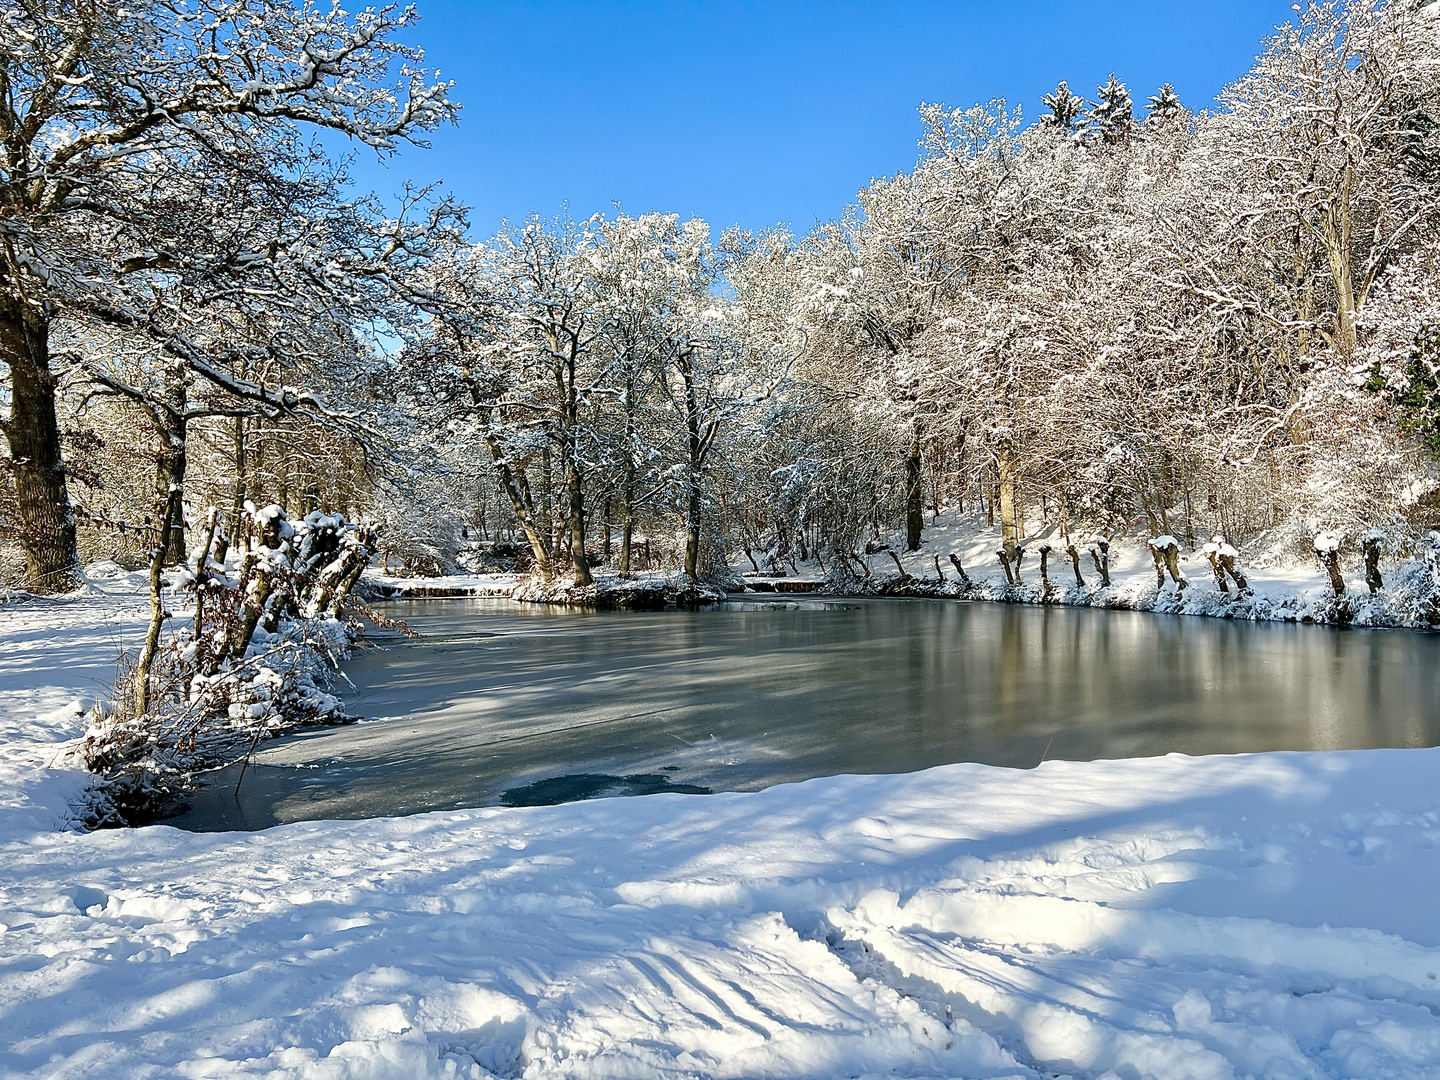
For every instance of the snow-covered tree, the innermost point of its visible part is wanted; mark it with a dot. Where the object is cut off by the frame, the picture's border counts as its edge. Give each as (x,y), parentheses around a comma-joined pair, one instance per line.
(1112,114)
(1066,110)
(121,123)
(649,273)
(1163,105)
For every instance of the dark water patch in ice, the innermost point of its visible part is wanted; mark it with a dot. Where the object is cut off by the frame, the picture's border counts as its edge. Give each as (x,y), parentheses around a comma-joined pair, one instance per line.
(563,789)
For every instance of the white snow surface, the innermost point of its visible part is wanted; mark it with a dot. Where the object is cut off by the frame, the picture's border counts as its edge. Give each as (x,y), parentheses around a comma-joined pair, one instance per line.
(1266,916)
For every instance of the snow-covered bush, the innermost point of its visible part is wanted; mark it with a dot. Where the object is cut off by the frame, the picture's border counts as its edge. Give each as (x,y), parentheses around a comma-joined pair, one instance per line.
(254,659)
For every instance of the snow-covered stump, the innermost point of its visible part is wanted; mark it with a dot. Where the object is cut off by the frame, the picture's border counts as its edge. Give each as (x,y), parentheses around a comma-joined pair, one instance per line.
(1004,557)
(1166,552)
(1212,554)
(1222,562)
(1074,553)
(1228,555)
(1327,550)
(939,573)
(1373,544)
(1159,561)
(1045,550)
(1099,549)
(960,569)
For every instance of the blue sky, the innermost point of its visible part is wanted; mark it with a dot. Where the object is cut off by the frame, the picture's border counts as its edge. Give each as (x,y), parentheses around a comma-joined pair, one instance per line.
(757,113)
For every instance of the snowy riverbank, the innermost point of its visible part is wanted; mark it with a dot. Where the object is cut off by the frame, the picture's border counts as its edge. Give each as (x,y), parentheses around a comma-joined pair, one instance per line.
(1281,589)
(1177,917)
(644,591)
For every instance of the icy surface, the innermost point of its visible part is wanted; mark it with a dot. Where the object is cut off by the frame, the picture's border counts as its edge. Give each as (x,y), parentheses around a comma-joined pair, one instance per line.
(1268,916)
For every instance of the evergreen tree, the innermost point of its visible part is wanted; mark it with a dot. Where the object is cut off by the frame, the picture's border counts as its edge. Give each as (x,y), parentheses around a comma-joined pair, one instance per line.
(1164,104)
(1065,108)
(1113,114)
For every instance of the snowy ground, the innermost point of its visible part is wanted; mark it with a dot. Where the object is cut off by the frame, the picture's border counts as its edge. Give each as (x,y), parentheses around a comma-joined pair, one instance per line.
(1267,916)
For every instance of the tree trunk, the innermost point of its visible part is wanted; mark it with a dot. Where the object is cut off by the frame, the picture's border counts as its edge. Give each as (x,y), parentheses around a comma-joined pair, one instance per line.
(692,525)
(170,515)
(1159,567)
(1004,557)
(170,480)
(960,569)
(237,504)
(520,503)
(201,569)
(255,450)
(1373,546)
(1172,564)
(47,525)
(697,441)
(1227,563)
(547,502)
(282,497)
(575,489)
(627,489)
(914,494)
(1331,561)
(1213,554)
(1167,559)
(904,577)
(1100,553)
(1337,220)
(1009,504)
(937,479)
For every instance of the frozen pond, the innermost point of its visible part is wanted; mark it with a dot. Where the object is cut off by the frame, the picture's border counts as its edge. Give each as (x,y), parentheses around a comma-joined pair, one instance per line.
(502,703)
